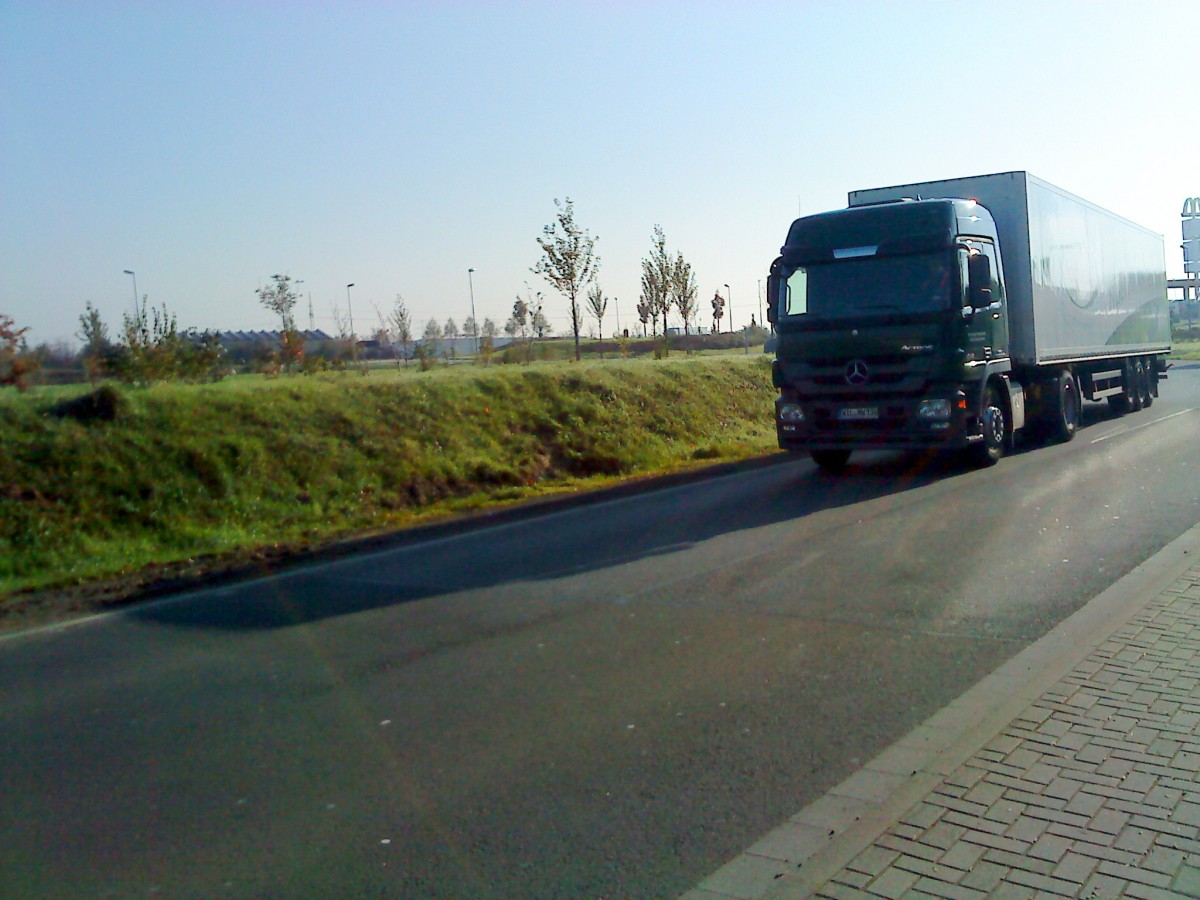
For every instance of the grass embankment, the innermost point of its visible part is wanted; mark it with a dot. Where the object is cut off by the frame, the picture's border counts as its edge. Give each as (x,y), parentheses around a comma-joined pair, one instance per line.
(1185,350)
(188,476)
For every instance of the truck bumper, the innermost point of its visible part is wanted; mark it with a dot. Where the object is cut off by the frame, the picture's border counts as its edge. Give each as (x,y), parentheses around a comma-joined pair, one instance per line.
(939,421)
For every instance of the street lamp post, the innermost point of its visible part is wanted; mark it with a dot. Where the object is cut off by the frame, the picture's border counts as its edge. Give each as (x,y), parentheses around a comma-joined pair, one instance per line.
(474,322)
(350,310)
(729,300)
(130,273)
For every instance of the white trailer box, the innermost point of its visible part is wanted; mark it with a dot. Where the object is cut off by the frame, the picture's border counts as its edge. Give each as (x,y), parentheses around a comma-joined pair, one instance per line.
(1082,283)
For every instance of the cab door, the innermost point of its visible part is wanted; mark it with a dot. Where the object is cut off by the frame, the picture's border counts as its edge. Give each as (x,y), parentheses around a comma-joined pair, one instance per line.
(987,326)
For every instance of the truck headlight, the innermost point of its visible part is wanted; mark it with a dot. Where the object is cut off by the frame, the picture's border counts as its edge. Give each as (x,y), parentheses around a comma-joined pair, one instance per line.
(791,412)
(934,410)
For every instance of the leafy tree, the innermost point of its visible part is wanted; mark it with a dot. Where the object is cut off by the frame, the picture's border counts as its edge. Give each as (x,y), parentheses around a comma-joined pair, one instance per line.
(598,306)
(450,332)
(16,366)
(538,322)
(470,328)
(683,290)
(487,343)
(154,349)
(657,274)
(98,350)
(431,341)
(569,260)
(718,308)
(152,346)
(645,313)
(520,326)
(518,322)
(402,323)
(280,297)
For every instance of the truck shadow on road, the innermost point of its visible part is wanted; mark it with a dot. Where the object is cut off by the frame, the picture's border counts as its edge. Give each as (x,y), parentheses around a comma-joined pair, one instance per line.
(564,544)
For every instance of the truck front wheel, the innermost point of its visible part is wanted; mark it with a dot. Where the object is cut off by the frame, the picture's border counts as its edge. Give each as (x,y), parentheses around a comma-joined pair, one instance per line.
(993,424)
(832,461)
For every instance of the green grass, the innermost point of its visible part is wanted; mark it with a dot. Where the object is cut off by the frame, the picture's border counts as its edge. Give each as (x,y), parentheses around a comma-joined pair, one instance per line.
(1185,349)
(206,472)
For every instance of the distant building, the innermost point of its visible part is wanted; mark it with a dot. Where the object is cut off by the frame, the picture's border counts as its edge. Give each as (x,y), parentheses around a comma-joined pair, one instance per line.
(228,338)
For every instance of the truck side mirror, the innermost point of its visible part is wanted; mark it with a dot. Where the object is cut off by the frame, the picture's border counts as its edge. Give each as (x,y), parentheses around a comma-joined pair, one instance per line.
(979,281)
(774,286)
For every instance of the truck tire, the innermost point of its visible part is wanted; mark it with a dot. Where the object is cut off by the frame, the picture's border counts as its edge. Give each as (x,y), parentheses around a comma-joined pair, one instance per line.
(832,461)
(1145,384)
(1133,380)
(1064,407)
(993,422)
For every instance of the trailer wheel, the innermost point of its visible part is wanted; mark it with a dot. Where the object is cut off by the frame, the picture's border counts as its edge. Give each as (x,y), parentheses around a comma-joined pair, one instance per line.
(1144,384)
(1064,409)
(1133,381)
(993,424)
(832,461)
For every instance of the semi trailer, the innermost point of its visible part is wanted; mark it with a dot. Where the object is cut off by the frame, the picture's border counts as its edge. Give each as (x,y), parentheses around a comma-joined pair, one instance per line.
(956,314)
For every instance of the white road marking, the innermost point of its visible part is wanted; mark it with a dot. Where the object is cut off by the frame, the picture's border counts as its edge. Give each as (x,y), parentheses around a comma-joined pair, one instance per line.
(1142,425)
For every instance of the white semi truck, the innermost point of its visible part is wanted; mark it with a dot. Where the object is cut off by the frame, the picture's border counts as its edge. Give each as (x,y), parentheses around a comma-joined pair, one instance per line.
(954,314)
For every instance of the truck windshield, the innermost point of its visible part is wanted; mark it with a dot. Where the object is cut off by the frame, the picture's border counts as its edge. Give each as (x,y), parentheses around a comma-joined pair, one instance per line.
(870,286)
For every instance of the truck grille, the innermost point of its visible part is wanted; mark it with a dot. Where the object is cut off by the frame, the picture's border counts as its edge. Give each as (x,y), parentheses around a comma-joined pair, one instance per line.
(890,374)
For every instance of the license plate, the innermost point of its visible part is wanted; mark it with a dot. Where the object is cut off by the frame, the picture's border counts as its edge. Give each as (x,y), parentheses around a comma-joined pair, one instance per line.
(857,413)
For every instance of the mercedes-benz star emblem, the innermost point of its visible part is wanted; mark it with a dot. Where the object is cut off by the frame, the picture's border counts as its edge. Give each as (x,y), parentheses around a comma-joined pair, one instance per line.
(857,372)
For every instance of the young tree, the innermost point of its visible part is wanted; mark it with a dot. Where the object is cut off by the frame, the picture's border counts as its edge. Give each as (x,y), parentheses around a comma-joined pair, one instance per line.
(518,322)
(569,260)
(644,314)
(522,324)
(97,348)
(598,306)
(539,324)
(431,340)
(683,290)
(280,297)
(718,307)
(487,342)
(450,332)
(470,328)
(402,325)
(657,272)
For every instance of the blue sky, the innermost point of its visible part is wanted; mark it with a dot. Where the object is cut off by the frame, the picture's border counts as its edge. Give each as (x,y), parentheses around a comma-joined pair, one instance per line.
(208,145)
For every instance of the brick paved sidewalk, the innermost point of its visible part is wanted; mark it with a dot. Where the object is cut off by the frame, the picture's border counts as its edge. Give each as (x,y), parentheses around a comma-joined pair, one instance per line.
(1085,783)
(1092,791)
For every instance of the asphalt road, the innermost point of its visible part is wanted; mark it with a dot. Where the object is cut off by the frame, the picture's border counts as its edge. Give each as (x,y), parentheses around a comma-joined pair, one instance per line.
(609,701)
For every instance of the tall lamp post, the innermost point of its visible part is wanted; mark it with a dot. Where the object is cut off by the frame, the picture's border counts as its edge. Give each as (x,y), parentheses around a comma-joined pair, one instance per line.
(729,300)
(350,310)
(130,273)
(474,322)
